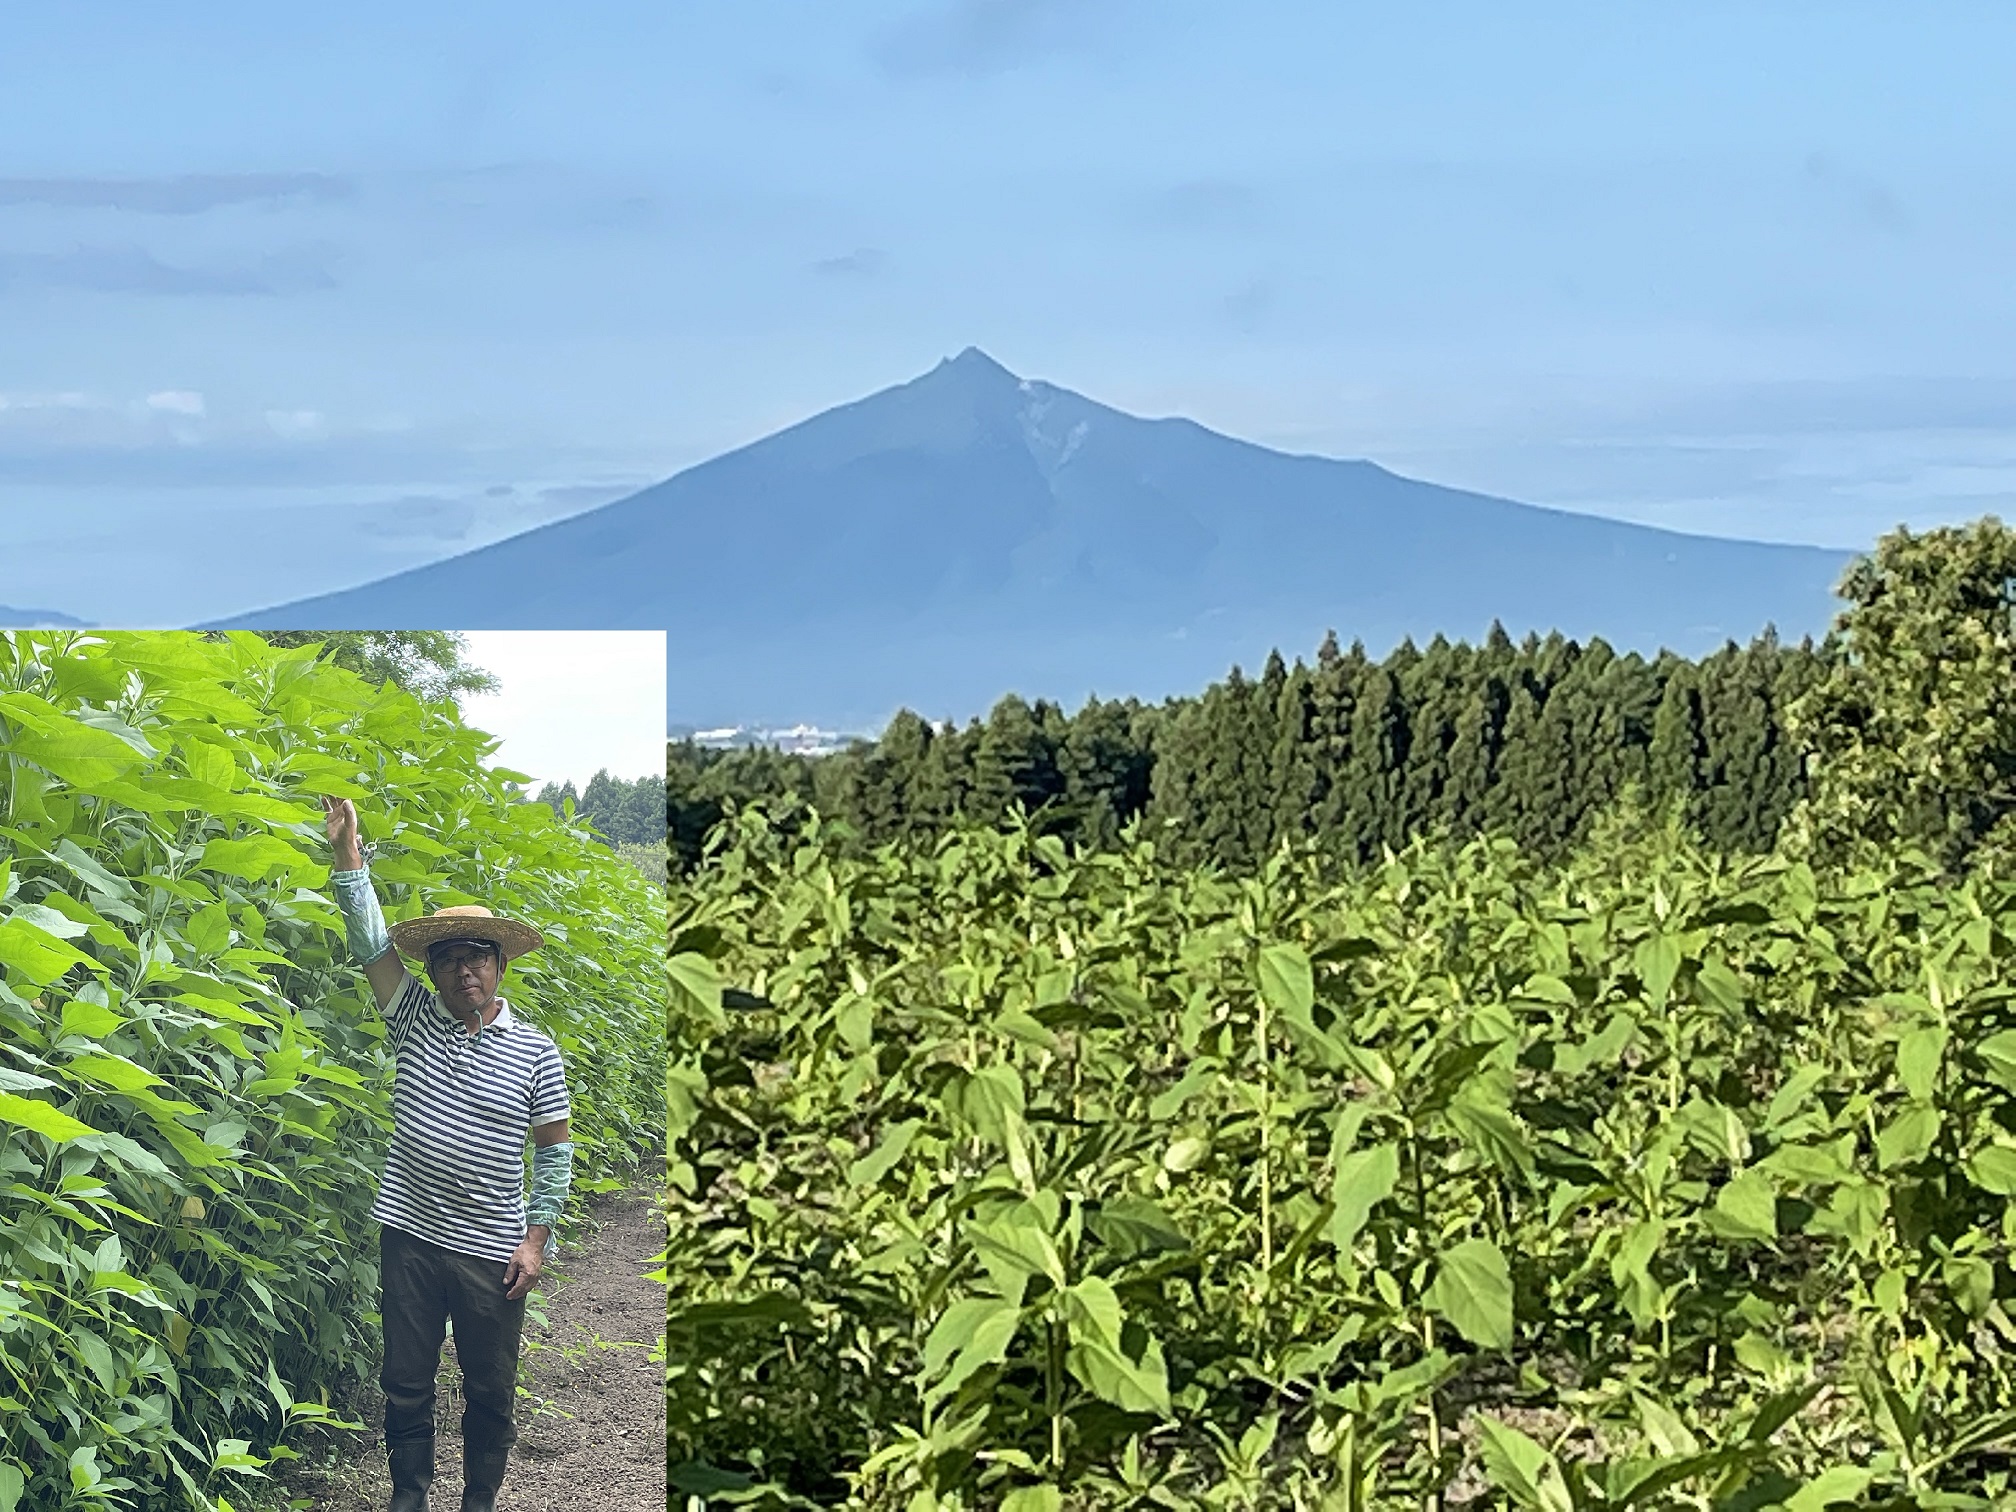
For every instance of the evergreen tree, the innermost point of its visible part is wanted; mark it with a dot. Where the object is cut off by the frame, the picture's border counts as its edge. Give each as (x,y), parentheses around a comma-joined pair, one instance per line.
(1674,770)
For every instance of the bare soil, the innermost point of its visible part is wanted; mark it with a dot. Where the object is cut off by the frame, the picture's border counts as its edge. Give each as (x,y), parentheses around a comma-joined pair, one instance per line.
(591,1401)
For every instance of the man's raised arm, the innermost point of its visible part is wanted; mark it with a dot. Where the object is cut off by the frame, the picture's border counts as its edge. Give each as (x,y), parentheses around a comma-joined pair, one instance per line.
(358,900)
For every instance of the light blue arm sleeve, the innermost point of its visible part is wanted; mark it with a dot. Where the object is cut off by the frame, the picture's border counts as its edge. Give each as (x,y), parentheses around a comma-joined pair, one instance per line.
(552,1173)
(363,920)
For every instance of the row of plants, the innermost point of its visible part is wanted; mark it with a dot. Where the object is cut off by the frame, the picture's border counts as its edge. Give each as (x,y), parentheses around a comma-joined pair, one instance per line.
(1007,1177)
(194,1085)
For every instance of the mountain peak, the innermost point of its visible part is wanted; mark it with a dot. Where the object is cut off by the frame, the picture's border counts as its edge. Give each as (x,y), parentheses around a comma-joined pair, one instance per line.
(975,366)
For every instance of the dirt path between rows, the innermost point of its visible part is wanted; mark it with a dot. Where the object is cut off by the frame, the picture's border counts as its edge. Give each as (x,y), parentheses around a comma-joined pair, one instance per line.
(591,1406)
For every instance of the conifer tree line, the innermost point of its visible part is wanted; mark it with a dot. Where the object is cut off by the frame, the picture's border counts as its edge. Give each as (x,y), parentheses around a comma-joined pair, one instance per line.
(625,813)
(1530,739)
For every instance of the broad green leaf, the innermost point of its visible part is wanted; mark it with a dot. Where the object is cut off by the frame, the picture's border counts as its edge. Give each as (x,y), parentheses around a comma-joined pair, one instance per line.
(1033,1499)
(1521,1468)
(13,1481)
(1843,1483)
(1287,981)
(1473,1291)
(1919,1054)
(65,747)
(89,1019)
(1720,986)
(1993,1169)
(96,1355)
(1792,1094)
(1971,1281)
(1092,1311)
(1131,1226)
(1019,1246)
(695,987)
(1545,987)
(210,763)
(1908,1137)
(184,1142)
(881,1160)
(236,1454)
(1658,962)
(1856,1211)
(94,874)
(40,1118)
(1363,1180)
(113,1071)
(48,920)
(1131,1383)
(987,1101)
(1198,1079)
(1998,1055)
(855,1022)
(208,930)
(1664,1428)
(1487,1126)
(968,1336)
(34,955)
(1745,1208)
(258,858)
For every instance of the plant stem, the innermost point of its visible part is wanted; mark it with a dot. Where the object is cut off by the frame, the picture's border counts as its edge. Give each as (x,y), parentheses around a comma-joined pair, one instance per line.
(1266,1164)
(1427,1325)
(1053,1370)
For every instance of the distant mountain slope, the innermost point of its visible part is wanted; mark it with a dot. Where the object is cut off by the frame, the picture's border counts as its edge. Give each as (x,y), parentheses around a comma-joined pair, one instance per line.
(941,542)
(32,619)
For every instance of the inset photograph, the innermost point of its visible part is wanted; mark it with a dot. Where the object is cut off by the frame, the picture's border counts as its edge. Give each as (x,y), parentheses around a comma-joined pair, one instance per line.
(332,1018)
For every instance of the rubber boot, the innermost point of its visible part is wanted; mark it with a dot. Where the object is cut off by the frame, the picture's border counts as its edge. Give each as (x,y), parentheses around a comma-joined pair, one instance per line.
(482,1476)
(412,1474)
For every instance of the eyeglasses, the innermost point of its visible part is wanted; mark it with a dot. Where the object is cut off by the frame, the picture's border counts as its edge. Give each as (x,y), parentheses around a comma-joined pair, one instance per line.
(451,962)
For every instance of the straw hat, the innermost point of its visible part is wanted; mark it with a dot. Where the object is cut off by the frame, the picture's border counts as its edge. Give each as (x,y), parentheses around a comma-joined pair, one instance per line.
(465,921)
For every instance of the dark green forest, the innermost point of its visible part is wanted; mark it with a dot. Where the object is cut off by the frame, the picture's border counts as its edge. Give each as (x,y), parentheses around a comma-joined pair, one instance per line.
(1532,739)
(625,813)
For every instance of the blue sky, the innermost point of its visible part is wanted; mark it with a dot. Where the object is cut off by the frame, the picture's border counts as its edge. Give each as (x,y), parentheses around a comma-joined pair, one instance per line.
(291,298)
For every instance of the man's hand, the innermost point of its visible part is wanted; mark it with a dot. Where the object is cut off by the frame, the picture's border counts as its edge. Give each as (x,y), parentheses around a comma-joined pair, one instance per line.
(525,1263)
(340,820)
(384,972)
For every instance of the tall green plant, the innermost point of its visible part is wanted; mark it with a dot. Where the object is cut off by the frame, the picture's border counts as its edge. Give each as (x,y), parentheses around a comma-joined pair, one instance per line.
(1652,1178)
(194,1090)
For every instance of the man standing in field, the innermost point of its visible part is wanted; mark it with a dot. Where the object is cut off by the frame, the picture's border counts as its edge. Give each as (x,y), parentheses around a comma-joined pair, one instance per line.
(458,1239)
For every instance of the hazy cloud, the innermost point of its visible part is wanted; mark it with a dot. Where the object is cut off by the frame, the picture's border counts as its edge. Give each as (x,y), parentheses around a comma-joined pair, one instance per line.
(183,194)
(1872,203)
(1247,308)
(1811,406)
(62,401)
(572,496)
(422,517)
(296,425)
(134,270)
(176,402)
(981,37)
(1206,204)
(861,262)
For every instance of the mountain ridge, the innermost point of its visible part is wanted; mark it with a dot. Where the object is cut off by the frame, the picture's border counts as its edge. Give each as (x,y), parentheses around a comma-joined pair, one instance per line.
(969,532)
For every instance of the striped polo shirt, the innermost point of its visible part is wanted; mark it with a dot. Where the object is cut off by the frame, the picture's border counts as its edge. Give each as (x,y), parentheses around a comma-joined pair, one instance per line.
(461,1106)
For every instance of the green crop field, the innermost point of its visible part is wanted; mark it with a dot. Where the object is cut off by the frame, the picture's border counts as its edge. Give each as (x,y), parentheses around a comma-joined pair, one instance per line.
(1025,1165)
(194,1092)
(1651,1179)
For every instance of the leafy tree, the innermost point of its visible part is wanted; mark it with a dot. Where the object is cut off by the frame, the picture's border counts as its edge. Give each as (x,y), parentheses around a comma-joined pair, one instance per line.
(1912,731)
(429,664)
